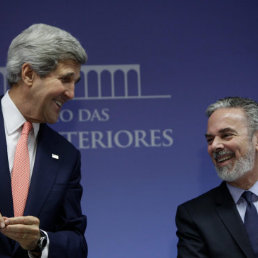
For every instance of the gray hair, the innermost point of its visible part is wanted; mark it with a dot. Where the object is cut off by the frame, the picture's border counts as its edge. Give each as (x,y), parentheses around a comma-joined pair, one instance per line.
(249,106)
(42,46)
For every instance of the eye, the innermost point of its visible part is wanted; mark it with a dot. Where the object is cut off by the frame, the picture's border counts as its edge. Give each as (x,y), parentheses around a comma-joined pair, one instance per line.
(227,136)
(209,140)
(65,79)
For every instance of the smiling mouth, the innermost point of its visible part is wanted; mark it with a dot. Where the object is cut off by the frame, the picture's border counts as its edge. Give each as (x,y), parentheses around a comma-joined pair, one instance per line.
(223,156)
(59,103)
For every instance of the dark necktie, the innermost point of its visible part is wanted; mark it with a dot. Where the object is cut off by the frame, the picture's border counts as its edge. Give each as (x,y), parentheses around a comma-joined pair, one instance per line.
(251,221)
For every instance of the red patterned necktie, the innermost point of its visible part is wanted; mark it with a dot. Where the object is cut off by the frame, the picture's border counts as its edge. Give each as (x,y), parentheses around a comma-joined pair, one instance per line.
(21,172)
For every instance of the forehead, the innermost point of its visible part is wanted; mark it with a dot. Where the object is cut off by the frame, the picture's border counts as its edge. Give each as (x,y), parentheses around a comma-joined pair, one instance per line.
(232,118)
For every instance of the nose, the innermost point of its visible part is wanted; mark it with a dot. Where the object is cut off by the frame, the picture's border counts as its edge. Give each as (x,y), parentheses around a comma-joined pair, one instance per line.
(217,144)
(69,92)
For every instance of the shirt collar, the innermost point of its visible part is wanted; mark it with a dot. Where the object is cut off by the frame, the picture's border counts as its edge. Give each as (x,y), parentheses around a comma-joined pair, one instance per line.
(14,121)
(237,192)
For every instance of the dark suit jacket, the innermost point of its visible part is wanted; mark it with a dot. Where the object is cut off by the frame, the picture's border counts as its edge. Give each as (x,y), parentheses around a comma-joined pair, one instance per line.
(210,226)
(54,196)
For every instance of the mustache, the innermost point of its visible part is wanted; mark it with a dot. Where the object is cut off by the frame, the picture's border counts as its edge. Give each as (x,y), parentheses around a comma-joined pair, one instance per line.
(217,154)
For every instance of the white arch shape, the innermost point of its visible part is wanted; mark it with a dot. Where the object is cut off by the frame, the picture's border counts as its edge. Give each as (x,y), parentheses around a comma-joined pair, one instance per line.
(111,69)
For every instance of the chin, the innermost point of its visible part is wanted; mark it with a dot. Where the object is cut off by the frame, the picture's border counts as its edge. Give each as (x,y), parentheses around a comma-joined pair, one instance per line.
(52,121)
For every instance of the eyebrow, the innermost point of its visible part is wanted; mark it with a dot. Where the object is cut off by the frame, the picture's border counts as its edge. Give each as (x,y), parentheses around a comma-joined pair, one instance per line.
(224,130)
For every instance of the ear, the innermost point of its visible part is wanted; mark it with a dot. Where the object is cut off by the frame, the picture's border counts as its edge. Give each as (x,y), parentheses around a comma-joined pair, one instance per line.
(256,139)
(27,74)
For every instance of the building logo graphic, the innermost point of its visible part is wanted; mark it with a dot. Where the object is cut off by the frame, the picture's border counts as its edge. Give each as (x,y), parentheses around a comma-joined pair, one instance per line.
(111,71)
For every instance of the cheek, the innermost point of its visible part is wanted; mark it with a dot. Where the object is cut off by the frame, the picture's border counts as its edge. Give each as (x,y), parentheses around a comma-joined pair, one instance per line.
(209,149)
(54,87)
(240,151)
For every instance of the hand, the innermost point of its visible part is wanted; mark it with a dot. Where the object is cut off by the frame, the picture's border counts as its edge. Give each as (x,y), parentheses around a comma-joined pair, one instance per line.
(2,223)
(24,230)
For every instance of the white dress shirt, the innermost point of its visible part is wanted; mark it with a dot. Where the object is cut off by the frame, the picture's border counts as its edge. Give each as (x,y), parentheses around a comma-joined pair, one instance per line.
(13,122)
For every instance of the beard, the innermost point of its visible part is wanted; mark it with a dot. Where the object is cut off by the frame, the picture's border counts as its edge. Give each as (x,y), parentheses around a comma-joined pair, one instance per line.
(232,172)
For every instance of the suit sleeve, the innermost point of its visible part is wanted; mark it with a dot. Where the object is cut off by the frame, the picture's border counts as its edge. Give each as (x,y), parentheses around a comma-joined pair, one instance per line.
(190,242)
(68,239)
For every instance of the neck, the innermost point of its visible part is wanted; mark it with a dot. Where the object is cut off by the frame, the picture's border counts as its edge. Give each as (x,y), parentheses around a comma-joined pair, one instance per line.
(247,180)
(18,94)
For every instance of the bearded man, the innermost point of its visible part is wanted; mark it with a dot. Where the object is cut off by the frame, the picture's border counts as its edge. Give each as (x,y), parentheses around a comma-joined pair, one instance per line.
(224,221)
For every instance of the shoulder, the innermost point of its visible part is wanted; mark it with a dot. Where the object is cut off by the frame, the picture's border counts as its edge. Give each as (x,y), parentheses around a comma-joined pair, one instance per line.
(46,133)
(206,202)
(207,196)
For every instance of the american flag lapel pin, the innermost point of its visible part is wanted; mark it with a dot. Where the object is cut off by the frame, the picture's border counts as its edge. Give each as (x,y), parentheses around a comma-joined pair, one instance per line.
(55,156)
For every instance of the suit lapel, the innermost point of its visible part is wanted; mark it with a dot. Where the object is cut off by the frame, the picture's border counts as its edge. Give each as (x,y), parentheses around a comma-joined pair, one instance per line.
(44,172)
(6,201)
(229,215)
(43,176)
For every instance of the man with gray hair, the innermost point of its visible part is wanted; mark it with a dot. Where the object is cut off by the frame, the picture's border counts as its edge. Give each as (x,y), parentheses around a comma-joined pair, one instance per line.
(40,186)
(224,221)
